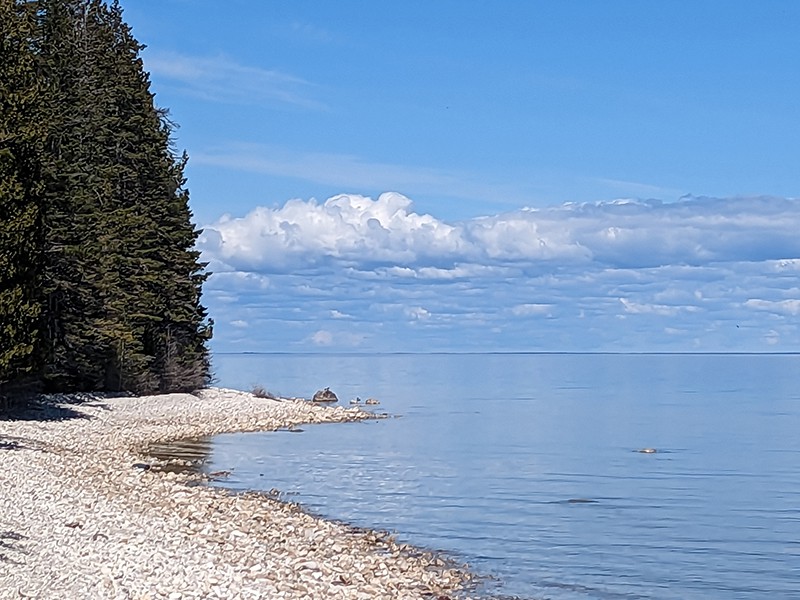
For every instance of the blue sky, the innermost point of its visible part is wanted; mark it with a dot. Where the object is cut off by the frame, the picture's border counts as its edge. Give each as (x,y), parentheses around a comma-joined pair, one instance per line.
(474,175)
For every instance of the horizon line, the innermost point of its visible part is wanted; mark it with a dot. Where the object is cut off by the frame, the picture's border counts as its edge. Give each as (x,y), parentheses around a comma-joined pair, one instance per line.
(520,352)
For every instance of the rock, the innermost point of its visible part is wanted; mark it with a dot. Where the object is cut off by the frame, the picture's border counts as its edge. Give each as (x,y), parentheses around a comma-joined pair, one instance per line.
(98,523)
(325,395)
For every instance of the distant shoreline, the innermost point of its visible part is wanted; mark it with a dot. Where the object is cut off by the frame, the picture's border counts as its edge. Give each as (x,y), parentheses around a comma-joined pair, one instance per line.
(520,353)
(86,513)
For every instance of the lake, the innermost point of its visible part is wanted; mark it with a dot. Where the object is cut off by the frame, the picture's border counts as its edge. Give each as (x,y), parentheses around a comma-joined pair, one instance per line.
(526,466)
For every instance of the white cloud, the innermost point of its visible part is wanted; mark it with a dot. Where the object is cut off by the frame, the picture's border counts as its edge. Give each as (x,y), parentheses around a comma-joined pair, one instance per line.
(417,313)
(635,188)
(322,338)
(347,229)
(339,340)
(351,171)
(636,308)
(239,280)
(360,232)
(785,307)
(345,170)
(790,265)
(527,235)
(220,79)
(457,272)
(356,272)
(527,310)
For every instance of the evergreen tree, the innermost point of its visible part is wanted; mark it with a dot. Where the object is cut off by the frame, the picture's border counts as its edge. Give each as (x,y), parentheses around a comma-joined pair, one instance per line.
(99,281)
(77,354)
(157,281)
(21,135)
(123,282)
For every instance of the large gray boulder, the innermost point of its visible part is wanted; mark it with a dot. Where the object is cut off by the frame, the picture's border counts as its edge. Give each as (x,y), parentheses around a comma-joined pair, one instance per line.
(325,395)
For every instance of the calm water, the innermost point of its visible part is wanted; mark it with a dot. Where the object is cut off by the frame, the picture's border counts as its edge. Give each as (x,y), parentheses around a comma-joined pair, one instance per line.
(488,451)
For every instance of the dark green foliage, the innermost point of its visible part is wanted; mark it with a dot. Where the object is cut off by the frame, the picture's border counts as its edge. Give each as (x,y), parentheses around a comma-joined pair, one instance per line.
(119,280)
(21,187)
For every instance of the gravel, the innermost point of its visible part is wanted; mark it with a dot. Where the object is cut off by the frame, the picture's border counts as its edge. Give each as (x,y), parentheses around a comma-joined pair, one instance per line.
(85,512)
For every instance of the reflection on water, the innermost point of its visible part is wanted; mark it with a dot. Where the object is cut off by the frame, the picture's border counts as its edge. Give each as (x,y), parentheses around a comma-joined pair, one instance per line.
(182,455)
(531,467)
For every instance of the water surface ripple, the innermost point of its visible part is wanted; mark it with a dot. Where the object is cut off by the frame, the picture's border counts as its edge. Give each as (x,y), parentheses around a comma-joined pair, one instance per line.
(526,466)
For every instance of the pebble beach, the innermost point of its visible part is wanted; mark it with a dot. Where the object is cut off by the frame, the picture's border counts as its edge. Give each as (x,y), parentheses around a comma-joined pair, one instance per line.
(86,512)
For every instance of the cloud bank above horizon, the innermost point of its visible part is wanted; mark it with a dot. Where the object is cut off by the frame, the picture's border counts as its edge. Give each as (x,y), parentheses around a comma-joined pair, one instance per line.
(355,273)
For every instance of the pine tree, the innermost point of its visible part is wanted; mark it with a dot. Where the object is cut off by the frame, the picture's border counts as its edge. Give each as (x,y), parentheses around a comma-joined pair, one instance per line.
(21,136)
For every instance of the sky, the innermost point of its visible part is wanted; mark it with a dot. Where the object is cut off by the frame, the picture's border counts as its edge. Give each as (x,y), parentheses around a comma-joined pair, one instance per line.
(617,176)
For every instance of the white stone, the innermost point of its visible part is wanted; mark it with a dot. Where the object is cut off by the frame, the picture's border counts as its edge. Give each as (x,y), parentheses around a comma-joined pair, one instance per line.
(142,535)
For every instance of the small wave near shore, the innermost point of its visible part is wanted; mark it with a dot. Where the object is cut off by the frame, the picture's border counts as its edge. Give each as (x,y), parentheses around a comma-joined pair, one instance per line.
(86,513)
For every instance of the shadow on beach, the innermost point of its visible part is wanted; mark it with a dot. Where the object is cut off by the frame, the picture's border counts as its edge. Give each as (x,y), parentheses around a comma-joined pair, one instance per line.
(8,543)
(47,407)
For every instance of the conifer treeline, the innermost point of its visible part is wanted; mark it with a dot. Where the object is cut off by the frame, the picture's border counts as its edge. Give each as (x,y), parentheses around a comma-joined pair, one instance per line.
(99,280)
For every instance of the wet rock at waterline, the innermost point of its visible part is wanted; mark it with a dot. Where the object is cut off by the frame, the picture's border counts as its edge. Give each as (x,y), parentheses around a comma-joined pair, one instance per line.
(82,515)
(325,395)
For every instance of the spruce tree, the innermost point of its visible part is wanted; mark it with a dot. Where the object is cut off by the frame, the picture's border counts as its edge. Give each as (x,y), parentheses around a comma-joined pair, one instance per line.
(77,354)
(123,279)
(159,276)
(21,136)
(99,281)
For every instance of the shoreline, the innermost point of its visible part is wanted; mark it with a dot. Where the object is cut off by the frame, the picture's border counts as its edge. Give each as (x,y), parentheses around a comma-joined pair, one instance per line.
(83,514)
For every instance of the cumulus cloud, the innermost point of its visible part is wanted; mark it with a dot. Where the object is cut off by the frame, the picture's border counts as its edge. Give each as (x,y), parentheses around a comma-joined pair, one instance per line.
(356,231)
(700,274)
(346,229)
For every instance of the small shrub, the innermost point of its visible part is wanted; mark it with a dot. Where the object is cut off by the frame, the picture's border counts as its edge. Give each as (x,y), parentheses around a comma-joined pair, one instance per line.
(259,391)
